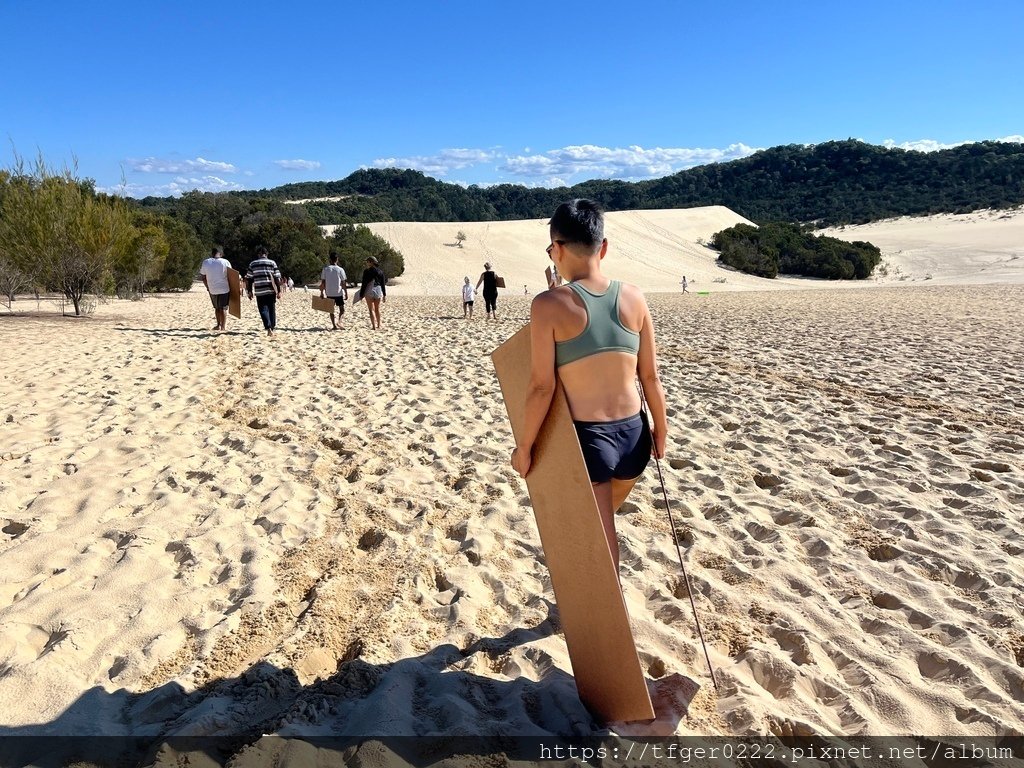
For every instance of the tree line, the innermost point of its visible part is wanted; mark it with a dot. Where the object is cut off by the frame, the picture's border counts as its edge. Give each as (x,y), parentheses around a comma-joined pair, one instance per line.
(836,182)
(58,234)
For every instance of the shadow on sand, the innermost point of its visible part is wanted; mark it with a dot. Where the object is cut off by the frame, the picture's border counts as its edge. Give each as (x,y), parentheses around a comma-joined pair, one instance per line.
(416,711)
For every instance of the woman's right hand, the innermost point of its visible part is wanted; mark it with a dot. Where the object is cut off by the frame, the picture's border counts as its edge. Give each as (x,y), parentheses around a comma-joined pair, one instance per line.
(521,461)
(657,445)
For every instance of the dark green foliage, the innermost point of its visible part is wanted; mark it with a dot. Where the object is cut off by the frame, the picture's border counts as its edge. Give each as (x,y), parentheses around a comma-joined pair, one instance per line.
(183,258)
(791,249)
(838,182)
(354,244)
(242,223)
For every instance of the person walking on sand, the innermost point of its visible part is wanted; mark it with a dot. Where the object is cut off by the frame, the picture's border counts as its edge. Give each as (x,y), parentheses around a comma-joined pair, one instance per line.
(332,281)
(263,279)
(215,277)
(684,284)
(468,295)
(490,281)
(373,288)
(596,336)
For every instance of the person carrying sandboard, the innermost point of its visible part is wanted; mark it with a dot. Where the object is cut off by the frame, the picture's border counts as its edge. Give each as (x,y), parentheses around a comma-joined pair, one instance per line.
(597,337)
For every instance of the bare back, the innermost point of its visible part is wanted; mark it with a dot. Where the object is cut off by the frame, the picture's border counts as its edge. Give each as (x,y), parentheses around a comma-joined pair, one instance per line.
(600,387)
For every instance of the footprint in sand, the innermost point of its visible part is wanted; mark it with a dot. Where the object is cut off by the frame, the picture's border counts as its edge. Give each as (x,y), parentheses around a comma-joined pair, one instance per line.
(371,539)
(14,529)
(992,466)
(766,482)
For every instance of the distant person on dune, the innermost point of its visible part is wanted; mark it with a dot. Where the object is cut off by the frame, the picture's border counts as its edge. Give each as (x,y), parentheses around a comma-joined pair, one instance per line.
(468,295)
(264,280)
(215,277)
(490,282)
(374,289)
(332,283)
(596,336)
(684,284)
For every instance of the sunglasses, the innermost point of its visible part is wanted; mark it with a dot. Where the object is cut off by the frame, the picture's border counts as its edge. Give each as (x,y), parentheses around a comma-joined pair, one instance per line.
(552,246)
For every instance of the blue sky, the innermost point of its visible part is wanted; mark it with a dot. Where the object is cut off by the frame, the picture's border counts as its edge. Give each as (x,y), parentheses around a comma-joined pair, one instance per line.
(171,96)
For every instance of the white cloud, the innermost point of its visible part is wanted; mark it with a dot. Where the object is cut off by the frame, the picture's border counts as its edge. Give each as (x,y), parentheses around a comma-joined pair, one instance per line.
(633,162)
(200,165)
(557,167)
(931,145)
(297,165)
(178,186)
(440,164)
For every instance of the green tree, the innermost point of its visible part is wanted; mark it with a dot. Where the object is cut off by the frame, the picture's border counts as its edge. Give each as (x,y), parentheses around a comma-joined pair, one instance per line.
(57,231)
(141,261)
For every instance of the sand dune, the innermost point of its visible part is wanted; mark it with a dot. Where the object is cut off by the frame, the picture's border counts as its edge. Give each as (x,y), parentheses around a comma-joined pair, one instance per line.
(654,249)
(650,248)
(320,533)
(947,249)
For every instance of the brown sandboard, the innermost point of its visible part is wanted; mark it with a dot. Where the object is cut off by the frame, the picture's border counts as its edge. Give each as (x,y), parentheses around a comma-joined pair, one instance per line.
(499,282)
(609,677)
(234,293)
(321,304)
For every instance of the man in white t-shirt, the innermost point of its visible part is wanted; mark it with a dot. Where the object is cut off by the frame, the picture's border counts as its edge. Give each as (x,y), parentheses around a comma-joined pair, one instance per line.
(332,283)
(215,278)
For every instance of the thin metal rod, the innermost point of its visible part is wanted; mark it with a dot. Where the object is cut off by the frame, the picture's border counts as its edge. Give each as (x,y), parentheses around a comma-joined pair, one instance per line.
(679,552)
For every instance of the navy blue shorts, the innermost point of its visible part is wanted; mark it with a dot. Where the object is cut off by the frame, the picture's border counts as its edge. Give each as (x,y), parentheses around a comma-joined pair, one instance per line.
(615,450)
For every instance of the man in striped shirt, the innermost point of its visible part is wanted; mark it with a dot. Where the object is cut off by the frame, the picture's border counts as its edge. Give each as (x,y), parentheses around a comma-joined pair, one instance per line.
(264,280)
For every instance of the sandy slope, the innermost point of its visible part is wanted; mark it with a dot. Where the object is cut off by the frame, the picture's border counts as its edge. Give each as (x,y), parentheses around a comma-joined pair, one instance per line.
(321,533)
(650,248)
(972,248)
(654,249)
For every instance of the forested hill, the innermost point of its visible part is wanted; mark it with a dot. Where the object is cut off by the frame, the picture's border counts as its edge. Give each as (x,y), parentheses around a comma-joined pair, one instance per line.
(838,182)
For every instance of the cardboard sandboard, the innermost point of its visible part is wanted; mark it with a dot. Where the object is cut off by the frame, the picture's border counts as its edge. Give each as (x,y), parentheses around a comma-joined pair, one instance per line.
(499,282)
(234,293)
(321,304)
(609,677)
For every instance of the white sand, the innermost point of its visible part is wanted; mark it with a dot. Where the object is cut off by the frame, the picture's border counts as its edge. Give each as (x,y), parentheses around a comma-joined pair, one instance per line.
(654,249)
(196,529)
(948,249)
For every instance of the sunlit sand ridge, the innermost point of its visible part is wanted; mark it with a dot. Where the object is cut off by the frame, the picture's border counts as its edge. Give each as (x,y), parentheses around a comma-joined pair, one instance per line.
(321,532)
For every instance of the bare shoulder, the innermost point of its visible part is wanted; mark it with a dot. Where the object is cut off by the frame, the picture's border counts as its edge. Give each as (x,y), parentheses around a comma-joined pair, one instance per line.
(631,292)
(545,304)
(632,304)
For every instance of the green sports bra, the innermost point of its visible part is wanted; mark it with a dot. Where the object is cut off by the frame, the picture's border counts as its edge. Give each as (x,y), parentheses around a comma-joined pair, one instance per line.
(604,331)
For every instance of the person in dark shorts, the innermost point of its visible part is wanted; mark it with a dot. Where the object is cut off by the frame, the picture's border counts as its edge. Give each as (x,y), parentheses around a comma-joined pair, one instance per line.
(467,299)
(490,283)
(214,272)
(333,283)
(596,336)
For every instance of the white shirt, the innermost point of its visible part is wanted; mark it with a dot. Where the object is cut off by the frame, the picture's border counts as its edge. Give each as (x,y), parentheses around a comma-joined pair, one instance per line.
(216,272)
(467,292)
(334,279)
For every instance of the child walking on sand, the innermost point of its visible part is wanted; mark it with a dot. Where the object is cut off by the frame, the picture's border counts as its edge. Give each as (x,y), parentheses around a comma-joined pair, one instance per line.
(468,293)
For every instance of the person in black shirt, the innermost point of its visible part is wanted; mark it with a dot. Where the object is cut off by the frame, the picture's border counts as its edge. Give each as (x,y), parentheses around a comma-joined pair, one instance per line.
(373,289)
(490,282)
